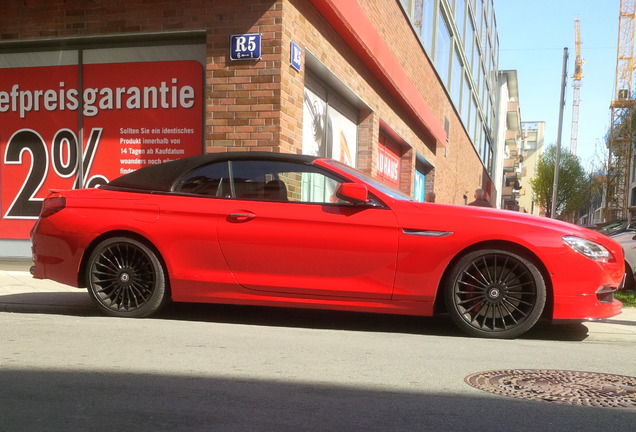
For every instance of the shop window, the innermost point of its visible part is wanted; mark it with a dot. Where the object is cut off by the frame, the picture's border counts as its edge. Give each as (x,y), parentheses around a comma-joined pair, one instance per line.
(423,169)
(330,125)
(389,164)
(90,110)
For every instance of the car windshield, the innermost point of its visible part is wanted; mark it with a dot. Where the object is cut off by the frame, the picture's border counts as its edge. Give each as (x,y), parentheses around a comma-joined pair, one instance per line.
(384,188)
(616,227)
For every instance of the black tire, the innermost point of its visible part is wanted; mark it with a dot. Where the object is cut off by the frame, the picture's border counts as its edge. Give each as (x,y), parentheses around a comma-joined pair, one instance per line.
(126,279)
(630,283)
(495,294)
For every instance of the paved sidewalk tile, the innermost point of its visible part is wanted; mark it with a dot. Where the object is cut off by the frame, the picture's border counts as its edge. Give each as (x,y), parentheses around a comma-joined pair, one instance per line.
(19,291)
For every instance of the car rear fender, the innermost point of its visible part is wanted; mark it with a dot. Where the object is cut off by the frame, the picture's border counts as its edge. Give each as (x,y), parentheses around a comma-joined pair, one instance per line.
(117,233)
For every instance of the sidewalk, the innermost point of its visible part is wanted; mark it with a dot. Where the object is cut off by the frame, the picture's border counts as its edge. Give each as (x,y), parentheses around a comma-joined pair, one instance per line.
(20,292)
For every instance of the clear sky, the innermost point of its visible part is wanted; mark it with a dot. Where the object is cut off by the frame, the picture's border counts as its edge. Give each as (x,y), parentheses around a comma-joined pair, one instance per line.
(532,35)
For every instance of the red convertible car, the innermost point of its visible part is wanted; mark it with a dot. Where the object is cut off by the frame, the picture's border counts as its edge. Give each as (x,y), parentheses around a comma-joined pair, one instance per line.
(307,232)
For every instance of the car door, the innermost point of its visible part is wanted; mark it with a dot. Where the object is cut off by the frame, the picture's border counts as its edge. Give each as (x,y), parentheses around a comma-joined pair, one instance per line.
(303,241)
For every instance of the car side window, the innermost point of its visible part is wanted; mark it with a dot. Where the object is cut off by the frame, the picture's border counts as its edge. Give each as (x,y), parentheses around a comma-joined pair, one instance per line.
(209,180)
(282,181)
(261,180)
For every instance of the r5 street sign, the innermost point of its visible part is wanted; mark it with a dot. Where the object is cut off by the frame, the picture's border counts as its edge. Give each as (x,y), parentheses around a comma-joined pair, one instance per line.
(245,46)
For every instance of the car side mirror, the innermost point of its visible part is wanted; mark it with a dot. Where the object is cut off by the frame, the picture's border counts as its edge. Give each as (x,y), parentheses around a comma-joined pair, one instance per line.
(355,193)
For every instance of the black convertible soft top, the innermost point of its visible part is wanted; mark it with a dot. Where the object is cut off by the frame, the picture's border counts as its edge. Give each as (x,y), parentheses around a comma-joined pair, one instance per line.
(161,177)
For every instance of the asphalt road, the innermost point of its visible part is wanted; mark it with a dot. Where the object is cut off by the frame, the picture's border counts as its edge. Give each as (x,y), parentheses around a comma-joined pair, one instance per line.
(227,368)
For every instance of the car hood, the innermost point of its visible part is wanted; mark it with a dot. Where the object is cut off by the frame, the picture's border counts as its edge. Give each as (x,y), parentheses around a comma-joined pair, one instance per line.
(624,237)
(492,223)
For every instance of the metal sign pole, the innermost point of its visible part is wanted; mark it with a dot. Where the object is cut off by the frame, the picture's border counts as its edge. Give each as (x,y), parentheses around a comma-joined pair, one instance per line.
(557,158)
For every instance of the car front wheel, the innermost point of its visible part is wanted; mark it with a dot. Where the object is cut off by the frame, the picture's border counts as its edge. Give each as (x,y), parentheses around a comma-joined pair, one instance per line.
(495,294)
(125,278)
(630,283)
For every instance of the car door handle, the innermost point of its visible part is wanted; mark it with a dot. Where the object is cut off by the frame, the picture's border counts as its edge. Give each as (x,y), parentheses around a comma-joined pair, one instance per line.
(240,217)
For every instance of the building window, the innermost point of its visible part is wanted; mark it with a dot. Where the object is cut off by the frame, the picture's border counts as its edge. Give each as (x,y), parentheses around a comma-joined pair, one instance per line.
(428,21)
(469,42)
(443,50)
(484,32)
(478,13)
(476,68)
(484,89)
(477,137)
(460,14)
(408,6)
(456,79)
(466,99)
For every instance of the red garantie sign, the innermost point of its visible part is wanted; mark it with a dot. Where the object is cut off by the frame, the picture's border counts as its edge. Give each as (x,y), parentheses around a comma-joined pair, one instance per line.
(126,116)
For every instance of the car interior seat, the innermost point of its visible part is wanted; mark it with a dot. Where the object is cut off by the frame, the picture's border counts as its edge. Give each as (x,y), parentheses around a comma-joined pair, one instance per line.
(275,190)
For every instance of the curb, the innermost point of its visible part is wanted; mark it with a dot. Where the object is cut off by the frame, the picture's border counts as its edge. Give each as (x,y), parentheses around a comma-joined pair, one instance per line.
(47,309)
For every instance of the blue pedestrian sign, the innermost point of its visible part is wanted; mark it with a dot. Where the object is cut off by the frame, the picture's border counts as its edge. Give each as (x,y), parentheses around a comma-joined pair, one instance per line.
(296,56)
(245,46)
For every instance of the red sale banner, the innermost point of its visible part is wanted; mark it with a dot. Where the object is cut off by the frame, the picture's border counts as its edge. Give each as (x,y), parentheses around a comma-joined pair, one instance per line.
(58,134)
(388,166)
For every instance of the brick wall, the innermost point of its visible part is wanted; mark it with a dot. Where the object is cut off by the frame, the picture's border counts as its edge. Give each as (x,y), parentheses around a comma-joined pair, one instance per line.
(244,98)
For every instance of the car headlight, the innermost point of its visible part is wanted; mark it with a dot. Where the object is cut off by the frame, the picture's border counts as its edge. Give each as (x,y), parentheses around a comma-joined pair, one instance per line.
(588,248)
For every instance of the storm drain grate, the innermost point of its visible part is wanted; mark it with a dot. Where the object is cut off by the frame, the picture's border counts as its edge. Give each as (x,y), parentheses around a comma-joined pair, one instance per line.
(559,386)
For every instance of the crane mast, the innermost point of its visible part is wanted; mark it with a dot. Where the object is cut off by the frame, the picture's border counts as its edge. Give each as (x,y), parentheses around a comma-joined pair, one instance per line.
(576,84)
(620,134)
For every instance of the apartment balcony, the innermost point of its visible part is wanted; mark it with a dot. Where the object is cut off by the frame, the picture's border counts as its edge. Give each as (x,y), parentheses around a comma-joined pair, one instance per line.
(510,165)
(512,142)
(513,116)
(511,177)
(512,135)
(507,192)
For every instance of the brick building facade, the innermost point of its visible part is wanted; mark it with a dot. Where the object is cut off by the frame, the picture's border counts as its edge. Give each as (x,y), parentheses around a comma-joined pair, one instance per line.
(361,60)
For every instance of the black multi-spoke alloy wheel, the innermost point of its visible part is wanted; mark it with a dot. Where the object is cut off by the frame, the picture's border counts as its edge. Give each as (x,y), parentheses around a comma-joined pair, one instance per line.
(495,293)
(125,278)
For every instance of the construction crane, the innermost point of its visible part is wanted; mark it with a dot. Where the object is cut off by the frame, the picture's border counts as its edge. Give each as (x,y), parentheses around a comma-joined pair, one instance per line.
(576,83)
(620,134)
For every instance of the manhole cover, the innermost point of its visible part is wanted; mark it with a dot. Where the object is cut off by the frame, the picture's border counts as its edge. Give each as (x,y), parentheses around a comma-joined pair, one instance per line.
(559,386)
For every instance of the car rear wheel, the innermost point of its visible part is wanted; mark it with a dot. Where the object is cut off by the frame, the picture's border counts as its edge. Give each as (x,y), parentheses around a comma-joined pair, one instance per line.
(125,278)
(495,294)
